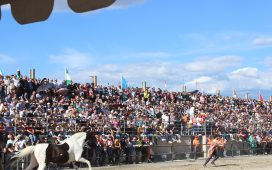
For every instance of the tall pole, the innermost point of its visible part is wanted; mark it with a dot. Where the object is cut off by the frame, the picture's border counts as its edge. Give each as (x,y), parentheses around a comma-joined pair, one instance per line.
(144,85)
(33,73)
(94,80)
(30,74)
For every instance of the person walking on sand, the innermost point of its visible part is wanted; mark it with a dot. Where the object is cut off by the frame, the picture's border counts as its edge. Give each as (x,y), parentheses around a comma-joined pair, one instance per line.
(213,150)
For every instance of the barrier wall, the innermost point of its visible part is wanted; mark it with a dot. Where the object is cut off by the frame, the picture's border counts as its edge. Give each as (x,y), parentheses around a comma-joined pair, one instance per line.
(164,151)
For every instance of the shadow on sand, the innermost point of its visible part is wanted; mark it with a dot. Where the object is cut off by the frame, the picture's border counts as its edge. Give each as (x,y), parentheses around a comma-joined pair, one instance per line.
(226,165)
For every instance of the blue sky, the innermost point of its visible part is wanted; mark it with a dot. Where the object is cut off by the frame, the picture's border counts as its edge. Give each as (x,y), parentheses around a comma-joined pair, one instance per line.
(221,45)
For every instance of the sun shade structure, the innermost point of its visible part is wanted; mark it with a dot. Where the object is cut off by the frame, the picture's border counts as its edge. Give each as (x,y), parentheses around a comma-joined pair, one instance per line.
(80,6)
(29,11)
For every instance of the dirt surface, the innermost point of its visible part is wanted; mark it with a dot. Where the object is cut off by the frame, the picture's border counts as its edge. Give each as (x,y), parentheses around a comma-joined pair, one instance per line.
(263,162)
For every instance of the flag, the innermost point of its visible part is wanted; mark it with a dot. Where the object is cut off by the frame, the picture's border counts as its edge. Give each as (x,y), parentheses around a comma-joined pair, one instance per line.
(234,95)
(260,97)
(165,85)
(67,77)
(123,83)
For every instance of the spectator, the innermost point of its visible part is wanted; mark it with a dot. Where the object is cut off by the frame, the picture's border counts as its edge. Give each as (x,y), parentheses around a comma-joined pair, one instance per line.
(196,146)
(21,143)
(153,115)
(8,152)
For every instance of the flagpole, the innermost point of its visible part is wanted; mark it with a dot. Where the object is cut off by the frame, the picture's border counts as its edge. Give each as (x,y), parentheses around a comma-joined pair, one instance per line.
(121,80)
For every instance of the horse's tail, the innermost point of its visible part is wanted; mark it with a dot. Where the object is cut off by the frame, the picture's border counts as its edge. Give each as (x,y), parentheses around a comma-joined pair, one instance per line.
(21,154)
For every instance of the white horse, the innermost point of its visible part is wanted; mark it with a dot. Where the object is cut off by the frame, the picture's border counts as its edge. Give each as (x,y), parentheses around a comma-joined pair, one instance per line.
(69,151)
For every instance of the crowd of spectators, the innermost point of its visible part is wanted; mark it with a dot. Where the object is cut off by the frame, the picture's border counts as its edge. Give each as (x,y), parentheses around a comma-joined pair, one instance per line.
(48,109)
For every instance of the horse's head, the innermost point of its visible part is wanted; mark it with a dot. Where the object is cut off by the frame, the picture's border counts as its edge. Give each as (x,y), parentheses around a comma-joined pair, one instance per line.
(91,139)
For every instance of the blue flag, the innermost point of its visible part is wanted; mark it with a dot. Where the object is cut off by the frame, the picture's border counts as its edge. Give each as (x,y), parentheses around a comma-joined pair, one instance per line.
(123,83)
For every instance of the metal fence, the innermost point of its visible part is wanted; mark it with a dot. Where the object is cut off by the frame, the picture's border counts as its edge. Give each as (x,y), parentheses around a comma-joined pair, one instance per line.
(17,125)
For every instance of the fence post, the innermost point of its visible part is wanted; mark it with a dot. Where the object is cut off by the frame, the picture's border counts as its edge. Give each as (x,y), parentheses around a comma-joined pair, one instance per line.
(15,129)
(76,125)
(181,128)
(172,153)
(205,128)
(47,124)
(231,146)
(124,125)
(204,146)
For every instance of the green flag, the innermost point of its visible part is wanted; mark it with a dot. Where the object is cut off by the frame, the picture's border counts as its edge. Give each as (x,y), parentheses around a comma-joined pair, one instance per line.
(67,77)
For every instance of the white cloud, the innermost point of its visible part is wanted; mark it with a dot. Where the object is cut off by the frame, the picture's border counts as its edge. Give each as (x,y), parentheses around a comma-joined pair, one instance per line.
(62,5)
(153,72)
(72,59)
(245,72)
(6,59)
(250,78)
(203,79)
(208,84)
(214,64)
(127,3)
(263,41)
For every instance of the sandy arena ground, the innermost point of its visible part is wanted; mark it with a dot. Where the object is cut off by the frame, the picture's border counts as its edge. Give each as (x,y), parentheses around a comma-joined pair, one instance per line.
(263,162)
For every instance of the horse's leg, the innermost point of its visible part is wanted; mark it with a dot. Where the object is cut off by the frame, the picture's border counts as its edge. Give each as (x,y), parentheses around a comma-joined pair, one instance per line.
(75,166)
(83,160)
(42,166)
(33,162)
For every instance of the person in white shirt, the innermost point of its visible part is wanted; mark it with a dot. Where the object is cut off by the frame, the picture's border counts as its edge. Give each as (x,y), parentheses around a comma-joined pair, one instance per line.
(20,143)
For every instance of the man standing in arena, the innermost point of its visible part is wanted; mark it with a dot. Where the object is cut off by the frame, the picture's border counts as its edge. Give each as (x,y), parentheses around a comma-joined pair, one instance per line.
(213,151)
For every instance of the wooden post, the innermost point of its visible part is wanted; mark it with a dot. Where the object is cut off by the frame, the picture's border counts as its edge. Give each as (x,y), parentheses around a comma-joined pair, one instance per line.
(204,146)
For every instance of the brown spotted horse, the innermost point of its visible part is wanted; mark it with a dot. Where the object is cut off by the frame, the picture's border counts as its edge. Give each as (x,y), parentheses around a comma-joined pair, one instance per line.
(69,151)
